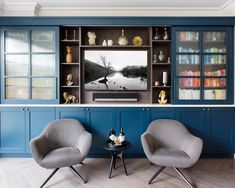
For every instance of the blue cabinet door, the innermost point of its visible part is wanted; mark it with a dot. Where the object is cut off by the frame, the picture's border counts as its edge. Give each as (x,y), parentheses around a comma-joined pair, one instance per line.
(13,130)
(100,121)
(221,131)
(195,121)
(72,113)
(37,120)
(132,122)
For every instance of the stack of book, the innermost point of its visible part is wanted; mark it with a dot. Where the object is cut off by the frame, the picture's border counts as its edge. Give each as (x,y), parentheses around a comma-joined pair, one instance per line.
(215,94)
(189,94)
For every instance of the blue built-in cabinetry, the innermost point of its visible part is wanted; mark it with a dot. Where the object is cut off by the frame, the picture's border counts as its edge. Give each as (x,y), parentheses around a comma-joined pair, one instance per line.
(203,65)
(215,125)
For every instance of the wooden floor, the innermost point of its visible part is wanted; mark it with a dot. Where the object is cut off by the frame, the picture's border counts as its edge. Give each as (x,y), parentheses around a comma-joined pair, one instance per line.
(207,173)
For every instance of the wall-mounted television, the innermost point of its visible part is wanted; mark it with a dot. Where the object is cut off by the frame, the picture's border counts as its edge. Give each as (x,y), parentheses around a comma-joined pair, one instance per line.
(116,70)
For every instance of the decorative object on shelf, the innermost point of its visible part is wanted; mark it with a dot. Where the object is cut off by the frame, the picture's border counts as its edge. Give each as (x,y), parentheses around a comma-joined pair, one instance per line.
(121,136)
(154,58)
(169,60)
(110,42)
(161,56)
(104,43)
(69,57)
(69,79)
(74,34)
(122,40)
(69,98)
(112,135)
(165,37)
(91,38)
(137,41)
(164,78)
(156,83)
(66,35)
(162,97)
(156,36)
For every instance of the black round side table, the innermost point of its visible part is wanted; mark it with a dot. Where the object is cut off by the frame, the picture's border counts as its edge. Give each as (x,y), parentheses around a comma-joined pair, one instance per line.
(116,152)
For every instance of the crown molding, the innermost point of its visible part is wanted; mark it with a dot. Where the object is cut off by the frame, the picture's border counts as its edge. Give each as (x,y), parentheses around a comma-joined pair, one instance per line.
(134,11)
(21,9)
(1,7)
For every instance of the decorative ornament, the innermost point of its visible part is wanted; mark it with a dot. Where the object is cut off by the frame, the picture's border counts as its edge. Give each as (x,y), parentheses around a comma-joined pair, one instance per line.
(69,98)
(162,96)
(122,40)
(161,56)
(156,36)
(137,41)
(69,79)
(165,37)
(69,57)
(91,38)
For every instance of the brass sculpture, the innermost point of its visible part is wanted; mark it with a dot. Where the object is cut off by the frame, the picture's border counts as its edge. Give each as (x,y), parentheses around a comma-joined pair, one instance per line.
(69,79)
(162,96)
(70,98)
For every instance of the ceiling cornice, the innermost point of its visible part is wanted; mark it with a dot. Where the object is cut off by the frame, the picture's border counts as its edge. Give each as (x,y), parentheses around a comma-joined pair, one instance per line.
(1,7)
(21,9)
(34,9)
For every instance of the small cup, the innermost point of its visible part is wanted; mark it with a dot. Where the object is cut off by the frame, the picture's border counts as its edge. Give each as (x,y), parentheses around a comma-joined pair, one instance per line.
(110,42)
(156,83)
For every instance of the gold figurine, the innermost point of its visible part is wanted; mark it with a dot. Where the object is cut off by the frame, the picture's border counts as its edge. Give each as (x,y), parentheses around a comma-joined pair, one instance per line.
(70,98)
(69,58)
(162,96)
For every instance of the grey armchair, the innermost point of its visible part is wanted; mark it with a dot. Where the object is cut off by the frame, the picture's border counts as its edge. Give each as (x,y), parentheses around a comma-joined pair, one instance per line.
(168,143)
(63,143)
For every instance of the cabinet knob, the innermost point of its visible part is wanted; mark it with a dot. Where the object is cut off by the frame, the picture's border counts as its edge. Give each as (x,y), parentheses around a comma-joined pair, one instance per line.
(147,109)
(143,109)
(26,109)
(22,108)
(208,109)
(87,109)
(82,109)
(203,109)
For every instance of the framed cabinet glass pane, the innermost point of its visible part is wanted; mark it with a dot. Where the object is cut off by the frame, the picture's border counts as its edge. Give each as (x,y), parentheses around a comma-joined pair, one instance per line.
(188,88)
(17,65)
(16,88)
(187,42)
(215,94)
(43,65)
(215,59)
(43,88)
(16,41)
(43,41)
(214,42)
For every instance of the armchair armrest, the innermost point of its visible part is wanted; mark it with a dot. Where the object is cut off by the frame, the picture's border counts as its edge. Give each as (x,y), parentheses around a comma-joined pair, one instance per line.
(84,143)
(148,144)
(39,147)
(192,145)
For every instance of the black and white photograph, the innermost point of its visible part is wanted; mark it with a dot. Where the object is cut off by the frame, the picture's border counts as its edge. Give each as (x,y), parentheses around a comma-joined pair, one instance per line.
(115,70)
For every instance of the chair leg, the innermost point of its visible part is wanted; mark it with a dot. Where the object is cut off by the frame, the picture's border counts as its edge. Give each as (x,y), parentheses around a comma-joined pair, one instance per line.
(156,174)
(78,175)
(49,177)
(184,178)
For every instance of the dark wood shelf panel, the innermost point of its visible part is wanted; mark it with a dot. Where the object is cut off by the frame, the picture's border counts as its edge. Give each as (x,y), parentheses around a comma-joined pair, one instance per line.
(115,46)
(75,63)
(189,87)
(70,41)
(161,41)
(210,88)
(162,87)
(73,86)
(161,64)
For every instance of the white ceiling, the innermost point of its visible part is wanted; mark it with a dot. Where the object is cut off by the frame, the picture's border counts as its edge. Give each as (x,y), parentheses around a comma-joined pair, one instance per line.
(128,3)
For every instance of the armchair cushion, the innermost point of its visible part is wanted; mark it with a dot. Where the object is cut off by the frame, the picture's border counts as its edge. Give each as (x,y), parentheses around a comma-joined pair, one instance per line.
(61,157)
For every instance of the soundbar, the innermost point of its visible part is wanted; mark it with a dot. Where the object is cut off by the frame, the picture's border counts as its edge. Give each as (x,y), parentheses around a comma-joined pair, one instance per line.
(115,97)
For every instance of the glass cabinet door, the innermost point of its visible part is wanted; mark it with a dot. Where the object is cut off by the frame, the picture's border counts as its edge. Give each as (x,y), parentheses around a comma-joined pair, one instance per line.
(201,65)
(29,71)
(214,65)
(188,65)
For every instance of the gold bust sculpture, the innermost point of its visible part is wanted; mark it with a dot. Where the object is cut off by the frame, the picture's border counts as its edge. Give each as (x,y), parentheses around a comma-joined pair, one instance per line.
(162,97)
